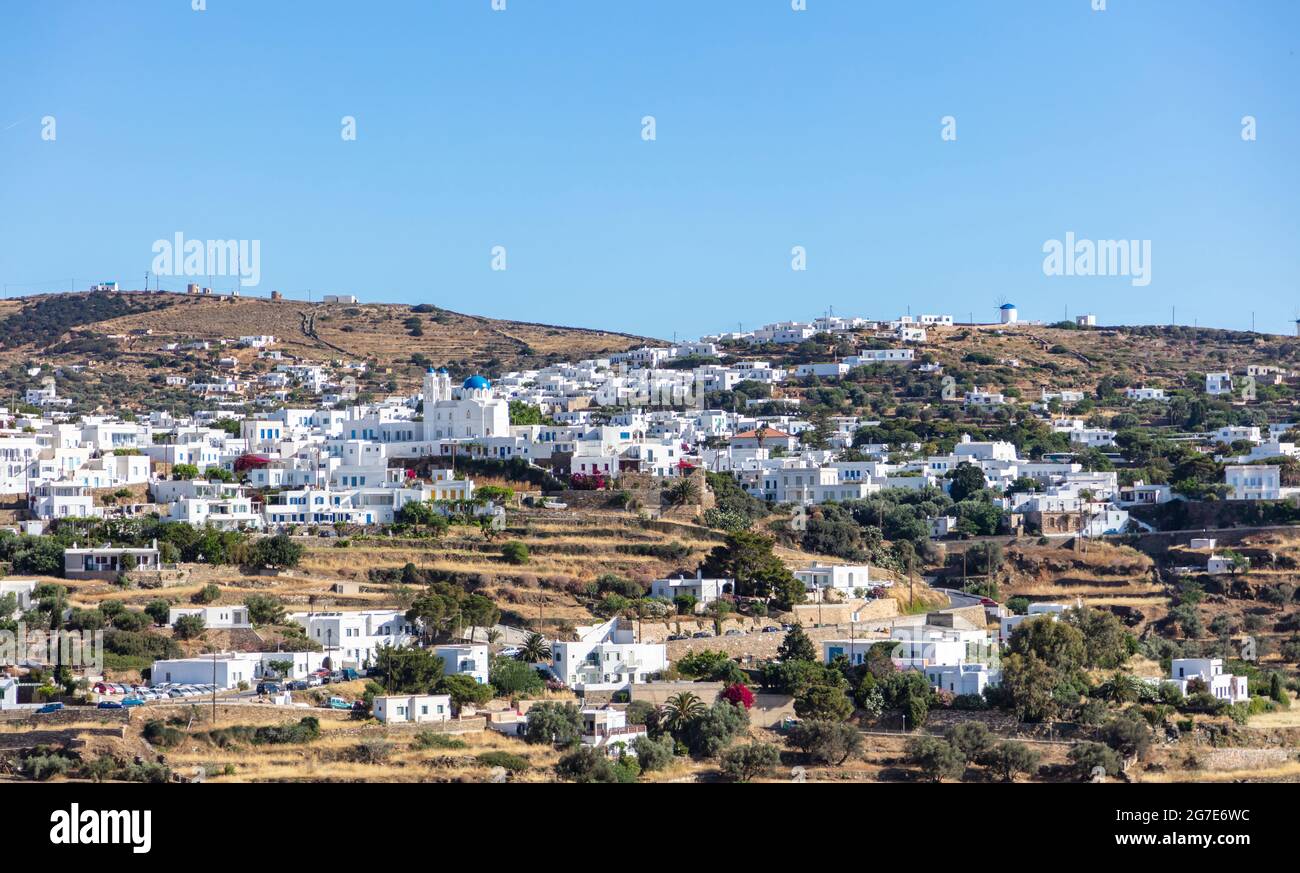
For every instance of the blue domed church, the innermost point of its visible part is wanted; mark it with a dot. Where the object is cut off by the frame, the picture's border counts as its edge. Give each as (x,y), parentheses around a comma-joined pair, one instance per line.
(468,412)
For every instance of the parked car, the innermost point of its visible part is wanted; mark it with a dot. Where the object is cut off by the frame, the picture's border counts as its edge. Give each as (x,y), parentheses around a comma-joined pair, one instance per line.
(771,629)
(702,635)
(675,637)
(133,701)
(733,632)
(50,707)
(337,703)
(109,704)
(268,688)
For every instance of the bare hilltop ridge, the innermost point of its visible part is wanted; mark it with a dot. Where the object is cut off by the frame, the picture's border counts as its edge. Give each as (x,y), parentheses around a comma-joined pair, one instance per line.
(122,345)
(120,348)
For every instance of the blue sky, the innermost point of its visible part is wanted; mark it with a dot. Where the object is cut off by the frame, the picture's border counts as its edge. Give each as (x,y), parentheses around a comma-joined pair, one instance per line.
(774,128)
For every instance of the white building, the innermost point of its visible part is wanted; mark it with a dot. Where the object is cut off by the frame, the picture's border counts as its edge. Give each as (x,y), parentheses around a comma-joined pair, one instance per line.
(1254,481)
(1007,313)
(352,639)
(705,591)
(1218,383)
(214,617)
(607,728)
(1224,686)
(465,659)
(412,708)
(606,657)
(844,578)
(224,669)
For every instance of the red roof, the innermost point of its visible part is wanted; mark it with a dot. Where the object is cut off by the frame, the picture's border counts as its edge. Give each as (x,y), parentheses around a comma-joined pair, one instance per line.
(768,433)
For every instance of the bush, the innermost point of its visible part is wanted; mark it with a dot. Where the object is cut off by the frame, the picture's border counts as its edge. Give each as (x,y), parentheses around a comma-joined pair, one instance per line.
(158,733)
(743,763)
(653,754)
(831,741)
(435,740)
(586,764)
(936,758)
(510,677)
(372,752)
(1092,760)
(506,760)
(1009,758)
(515,552)
(553,722)
(972,739)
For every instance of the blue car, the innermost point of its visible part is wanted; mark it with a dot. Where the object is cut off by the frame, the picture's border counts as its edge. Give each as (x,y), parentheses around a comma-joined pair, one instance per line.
(132,701)
(50,707)
(109,704)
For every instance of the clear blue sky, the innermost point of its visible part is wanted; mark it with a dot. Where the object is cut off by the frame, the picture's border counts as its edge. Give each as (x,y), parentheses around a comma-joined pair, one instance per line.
(775,128)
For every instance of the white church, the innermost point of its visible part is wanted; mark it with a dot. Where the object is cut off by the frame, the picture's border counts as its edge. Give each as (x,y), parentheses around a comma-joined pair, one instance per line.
(468,412)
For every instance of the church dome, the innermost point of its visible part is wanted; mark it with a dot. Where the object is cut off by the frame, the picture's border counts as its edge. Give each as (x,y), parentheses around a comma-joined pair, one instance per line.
(476,383)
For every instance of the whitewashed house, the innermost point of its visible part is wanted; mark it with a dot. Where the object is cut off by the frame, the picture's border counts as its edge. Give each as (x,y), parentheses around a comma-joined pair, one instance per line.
(606,657)
(412,708)
(1254,481)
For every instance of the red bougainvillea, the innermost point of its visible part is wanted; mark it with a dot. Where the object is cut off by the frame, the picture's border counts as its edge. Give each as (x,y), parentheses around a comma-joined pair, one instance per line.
(738,692)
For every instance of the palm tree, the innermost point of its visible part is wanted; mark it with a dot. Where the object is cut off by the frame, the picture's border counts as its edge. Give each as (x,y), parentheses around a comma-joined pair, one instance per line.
(534,649)
(683,491)
(680,710)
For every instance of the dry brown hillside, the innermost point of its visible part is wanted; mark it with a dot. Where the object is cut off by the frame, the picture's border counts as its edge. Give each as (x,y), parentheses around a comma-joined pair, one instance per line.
(111,345)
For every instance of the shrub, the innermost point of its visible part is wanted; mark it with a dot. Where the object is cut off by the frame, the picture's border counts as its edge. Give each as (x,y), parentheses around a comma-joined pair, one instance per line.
(743,763)
(435,740)
(515,552)
(506,760)
(653,754)
(831,741)
(586,764)
(1009,758)
(1092,760)
(936,758)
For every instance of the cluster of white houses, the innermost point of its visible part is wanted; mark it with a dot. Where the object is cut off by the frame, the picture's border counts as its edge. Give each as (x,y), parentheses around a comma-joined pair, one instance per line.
(643,410)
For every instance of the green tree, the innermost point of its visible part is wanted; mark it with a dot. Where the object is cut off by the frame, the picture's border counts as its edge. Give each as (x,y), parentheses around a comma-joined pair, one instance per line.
(512,678)
(1008,758)
(188,627)
(159,611)
(971,738)
(824,702)
(653,754)
(936,758)
(679,710)
(715,728)
(407,669)
(553,722)
(833,742)
(464,690)
(515,552)
(797,646)
(967,480)
(743,763)
(278,552)
(264,609)
(206,594)
(534,649)
(1090,761)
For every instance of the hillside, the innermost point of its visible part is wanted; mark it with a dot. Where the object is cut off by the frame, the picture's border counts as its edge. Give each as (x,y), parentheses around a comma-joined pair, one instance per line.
(110,346)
